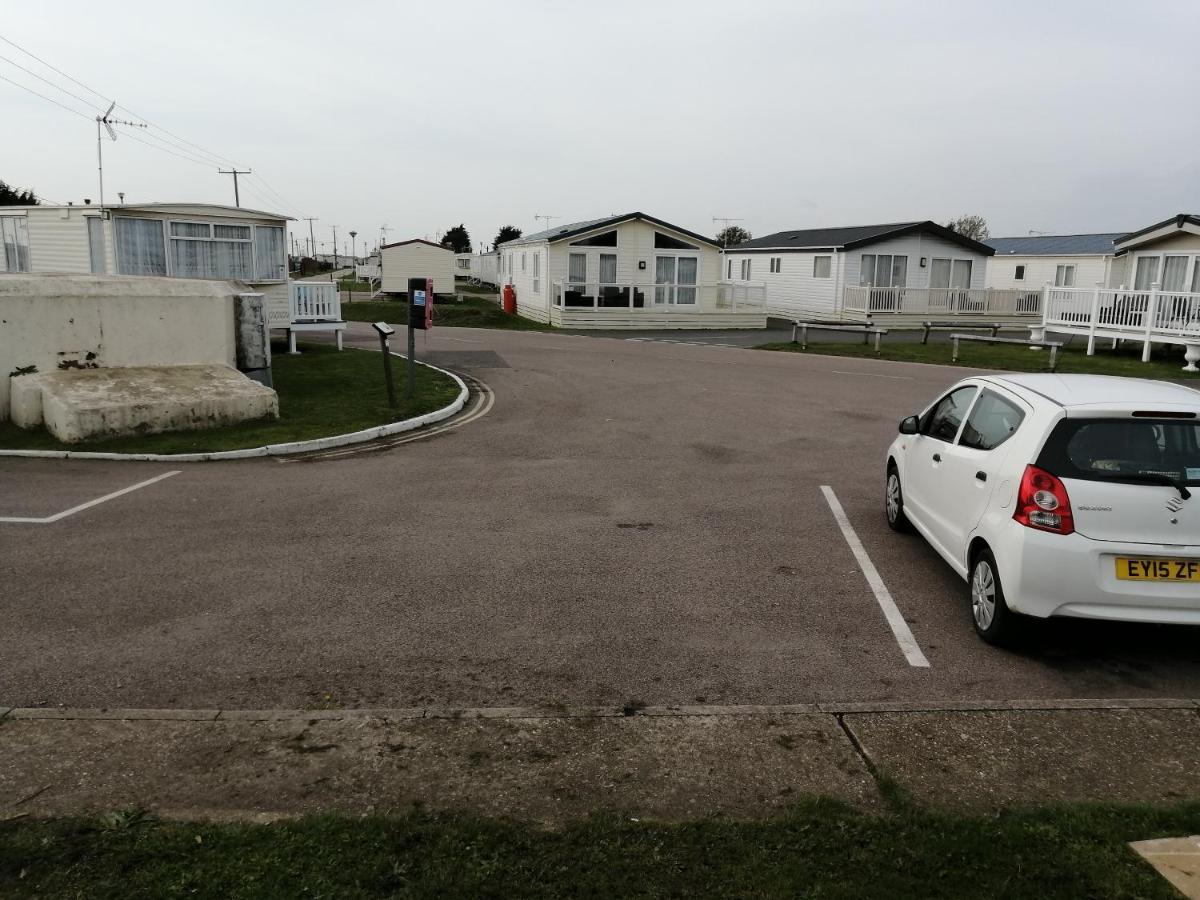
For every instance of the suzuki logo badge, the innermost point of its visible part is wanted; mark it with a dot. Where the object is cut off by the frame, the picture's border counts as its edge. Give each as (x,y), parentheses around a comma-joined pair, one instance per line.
(1174,504)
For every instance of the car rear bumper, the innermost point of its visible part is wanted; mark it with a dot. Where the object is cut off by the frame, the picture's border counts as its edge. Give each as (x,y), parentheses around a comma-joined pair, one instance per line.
(1055,575)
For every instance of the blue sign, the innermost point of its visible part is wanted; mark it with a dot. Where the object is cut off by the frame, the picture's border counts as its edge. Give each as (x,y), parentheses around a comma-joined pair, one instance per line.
(418,298)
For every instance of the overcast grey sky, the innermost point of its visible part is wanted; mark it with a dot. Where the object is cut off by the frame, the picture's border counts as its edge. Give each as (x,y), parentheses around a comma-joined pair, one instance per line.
(1054,116)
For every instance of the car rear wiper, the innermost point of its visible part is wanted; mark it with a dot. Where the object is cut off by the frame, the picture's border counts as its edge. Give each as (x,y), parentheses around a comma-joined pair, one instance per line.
(1150,478)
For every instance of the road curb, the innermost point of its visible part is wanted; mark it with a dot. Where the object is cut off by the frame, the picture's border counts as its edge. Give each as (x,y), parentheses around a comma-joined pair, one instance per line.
(285,449)
(601,712)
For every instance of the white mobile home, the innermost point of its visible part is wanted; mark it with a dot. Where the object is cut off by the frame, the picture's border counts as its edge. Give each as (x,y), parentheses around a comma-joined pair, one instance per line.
(897,270)
(416,258)
(626,271)
(1064,260)
(1152,293)
(177,240)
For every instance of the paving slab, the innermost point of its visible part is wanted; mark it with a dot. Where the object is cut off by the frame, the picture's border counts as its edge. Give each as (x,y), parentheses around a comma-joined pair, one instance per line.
(988,760)
(1176,859)
(547,770)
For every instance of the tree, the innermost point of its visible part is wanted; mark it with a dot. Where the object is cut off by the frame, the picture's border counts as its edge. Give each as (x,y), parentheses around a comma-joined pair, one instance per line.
(732,235)
(506,233)
(973,227)
(10,196)
(457,239)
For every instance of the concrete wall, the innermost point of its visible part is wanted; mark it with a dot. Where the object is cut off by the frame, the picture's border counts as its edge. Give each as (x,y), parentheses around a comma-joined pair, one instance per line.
(122,320)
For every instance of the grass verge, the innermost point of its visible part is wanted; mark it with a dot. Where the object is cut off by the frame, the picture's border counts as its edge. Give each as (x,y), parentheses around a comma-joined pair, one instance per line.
(819,849)
(1072,359)
(321,392)
(473,312)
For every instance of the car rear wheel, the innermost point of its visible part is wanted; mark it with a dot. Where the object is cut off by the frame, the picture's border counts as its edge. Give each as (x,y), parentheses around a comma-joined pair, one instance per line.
(994,621)
(893,501)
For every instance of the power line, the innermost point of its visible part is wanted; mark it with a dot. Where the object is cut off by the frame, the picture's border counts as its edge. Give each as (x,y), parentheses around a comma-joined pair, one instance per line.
(52,68)
(52,84)
(44,97)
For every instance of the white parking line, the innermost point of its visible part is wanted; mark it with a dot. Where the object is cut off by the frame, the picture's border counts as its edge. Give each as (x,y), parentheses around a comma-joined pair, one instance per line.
(904,637)
(873,375)
(24,520)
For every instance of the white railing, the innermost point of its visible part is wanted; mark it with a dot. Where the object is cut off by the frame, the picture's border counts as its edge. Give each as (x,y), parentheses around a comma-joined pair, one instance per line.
(955,302)
(314,301)
(725,296)
(1151,316)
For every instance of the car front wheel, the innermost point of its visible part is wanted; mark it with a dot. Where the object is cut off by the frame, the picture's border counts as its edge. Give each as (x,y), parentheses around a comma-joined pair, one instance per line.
(893,501)
(994,621)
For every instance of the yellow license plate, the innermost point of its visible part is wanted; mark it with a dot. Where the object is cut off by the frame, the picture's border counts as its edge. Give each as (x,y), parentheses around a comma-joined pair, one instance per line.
(1136,569)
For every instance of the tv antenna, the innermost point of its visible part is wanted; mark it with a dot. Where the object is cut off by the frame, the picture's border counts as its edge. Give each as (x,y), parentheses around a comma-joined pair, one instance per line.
(726,221)
(1033,231)
(108,122)
(546,219)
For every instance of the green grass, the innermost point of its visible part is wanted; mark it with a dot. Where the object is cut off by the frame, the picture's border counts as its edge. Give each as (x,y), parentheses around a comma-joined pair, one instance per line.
(353,284)
(1072,359)
(818,849)
(321,392)
(473,312)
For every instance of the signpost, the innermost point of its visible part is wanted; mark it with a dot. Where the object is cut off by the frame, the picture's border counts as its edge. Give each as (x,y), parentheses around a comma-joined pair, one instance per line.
(420,315)
(385,331)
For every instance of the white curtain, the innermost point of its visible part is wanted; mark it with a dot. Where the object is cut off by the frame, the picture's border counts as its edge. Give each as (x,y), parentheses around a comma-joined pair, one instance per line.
(270,260)
(577,268)
(14,235)
(1146,273)
(608,268)
(960,277)
(939,273)
(95,226)
(1174,272)
(899,271)
(140,247)
(687,268)
(866,269)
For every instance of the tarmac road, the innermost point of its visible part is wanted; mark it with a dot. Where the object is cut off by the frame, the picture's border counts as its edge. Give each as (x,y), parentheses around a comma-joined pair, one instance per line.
(632,522)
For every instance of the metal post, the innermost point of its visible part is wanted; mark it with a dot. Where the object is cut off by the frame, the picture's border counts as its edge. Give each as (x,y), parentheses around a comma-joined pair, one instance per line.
(927,326)
(804,336)
(878,336)
(954,340)
(387,372)
(1053,357)
(795,326)
(412,347)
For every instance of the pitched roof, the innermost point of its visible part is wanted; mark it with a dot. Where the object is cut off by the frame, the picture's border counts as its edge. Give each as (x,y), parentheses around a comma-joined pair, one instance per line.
(848,237)
(1178,220)
(415,241)
(1055,245)
(563,232)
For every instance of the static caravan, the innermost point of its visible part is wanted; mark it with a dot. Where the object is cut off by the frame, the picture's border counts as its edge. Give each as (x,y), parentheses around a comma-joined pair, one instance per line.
(626,271)
(1063,260)
(901,270)
(176,240)
(416,258)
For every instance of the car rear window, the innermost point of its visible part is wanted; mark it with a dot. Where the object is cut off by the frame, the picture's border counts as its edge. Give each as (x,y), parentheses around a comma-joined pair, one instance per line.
(1103,448)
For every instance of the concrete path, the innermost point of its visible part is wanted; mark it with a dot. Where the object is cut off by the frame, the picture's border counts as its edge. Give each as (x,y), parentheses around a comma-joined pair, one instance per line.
(552,766)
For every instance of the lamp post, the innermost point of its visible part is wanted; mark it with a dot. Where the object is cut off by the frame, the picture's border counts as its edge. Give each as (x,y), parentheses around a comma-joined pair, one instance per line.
(354,246)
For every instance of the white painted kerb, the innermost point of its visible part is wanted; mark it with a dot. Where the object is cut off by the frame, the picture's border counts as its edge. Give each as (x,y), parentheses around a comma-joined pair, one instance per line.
(337,440)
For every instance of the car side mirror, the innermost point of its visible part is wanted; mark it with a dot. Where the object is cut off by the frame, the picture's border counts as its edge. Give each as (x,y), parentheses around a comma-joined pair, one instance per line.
(911,425)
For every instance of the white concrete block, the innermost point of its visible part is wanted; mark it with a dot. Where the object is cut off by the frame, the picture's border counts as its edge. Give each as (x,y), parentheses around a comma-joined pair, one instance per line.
(93,404)
(26,400)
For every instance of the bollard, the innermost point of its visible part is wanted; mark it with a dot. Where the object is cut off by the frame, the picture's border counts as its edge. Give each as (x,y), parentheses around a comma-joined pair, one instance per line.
(954,340)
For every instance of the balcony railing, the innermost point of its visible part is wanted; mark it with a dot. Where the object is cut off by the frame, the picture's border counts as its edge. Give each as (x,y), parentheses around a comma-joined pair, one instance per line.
(951,302)
(314,301)
(722,297)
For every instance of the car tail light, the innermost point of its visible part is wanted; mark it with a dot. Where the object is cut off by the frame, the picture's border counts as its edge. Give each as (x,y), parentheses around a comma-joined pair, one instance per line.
(1042,502)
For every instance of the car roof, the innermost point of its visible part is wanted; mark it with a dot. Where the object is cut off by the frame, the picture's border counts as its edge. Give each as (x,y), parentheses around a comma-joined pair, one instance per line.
(1110,391)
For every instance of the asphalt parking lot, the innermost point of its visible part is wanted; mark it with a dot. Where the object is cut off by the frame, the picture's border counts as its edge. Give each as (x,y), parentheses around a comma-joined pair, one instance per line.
(633,521)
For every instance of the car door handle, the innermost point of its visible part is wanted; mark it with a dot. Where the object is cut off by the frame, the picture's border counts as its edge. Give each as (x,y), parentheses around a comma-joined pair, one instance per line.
(937,457)
(982,476)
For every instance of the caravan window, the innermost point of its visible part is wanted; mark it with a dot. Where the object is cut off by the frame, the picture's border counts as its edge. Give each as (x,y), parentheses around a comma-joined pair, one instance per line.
(203,250)
(141,248)
(14,238)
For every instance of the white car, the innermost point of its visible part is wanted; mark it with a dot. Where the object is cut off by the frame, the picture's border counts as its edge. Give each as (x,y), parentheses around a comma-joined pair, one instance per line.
(1057,495)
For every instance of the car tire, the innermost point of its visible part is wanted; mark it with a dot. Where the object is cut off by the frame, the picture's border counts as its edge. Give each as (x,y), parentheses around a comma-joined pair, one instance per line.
(893,501)
(993,620)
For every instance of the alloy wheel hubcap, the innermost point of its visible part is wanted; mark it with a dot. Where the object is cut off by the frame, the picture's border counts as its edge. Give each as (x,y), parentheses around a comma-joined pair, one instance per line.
(893,497)
(983,595)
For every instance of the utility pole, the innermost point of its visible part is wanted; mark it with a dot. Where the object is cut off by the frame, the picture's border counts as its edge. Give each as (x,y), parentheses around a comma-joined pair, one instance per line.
(335,254)
(312,241)
(237,200)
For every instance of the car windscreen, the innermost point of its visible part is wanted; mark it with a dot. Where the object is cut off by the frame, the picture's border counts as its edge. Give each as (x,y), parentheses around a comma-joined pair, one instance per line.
(1111,449)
